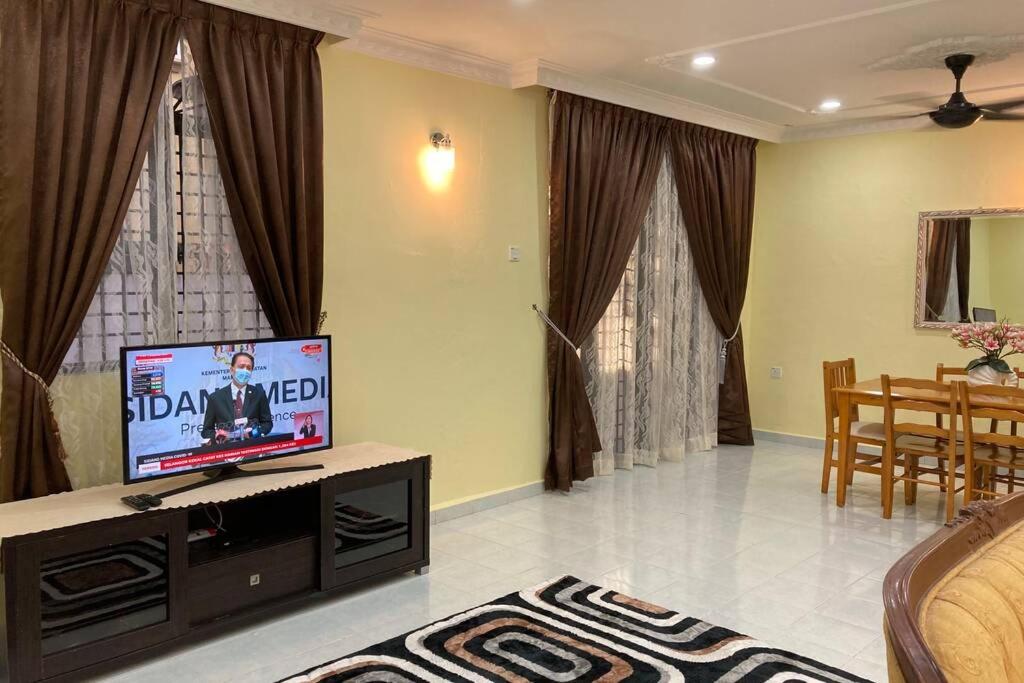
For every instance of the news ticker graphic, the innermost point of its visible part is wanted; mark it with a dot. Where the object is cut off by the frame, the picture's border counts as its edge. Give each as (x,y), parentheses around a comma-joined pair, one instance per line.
(226,455)
(153,358)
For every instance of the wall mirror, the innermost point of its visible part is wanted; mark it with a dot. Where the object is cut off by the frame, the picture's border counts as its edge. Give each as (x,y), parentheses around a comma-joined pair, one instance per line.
(970,267)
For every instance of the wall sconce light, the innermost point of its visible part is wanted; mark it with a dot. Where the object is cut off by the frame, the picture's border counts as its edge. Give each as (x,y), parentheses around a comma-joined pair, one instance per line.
(437,161)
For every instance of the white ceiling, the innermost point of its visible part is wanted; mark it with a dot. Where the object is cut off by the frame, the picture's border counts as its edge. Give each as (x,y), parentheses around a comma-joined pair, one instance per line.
(776,59)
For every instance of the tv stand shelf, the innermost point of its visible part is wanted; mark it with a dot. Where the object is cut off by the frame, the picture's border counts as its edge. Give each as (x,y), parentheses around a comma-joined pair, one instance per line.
(223,547)
(90,584)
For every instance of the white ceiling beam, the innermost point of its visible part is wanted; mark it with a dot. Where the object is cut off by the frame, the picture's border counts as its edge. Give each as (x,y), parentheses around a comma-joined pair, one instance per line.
(629,95)
(337,21)
(856,127)
(417,53)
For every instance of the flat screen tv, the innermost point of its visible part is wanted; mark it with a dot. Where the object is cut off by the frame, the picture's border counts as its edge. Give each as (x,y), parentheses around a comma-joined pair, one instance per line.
(196,407)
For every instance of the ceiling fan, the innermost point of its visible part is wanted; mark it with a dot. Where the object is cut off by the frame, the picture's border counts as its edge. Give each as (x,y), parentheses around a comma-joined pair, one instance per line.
(958,112)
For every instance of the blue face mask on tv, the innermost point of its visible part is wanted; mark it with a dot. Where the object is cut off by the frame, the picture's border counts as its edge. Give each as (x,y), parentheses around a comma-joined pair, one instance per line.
(242,375)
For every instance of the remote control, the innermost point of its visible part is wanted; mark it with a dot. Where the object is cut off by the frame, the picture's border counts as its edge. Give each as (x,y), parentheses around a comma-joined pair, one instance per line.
(142,501)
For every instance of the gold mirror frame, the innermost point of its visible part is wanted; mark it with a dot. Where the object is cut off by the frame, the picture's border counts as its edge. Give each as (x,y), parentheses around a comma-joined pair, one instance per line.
(922,249)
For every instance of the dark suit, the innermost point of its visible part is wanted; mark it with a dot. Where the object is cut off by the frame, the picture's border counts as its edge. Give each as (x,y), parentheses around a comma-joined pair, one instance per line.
(220,408)
(308,431)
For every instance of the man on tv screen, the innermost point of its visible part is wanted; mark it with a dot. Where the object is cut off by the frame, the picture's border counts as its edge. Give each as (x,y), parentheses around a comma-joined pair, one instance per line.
(238,410)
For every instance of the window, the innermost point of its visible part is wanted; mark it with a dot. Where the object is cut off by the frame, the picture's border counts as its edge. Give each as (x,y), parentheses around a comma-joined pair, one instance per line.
(176,273)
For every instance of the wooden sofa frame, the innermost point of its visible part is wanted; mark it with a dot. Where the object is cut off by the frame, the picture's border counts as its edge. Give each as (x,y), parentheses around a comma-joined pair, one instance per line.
(909,581)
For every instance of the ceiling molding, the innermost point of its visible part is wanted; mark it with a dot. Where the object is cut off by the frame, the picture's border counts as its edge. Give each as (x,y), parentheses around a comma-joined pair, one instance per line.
(929,55)
(855,127)
(423,55)
(828,21)
(540,72)
(314,14)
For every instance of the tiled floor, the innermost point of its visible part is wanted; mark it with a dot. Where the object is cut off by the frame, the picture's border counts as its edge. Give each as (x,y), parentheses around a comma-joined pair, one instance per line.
(740,537)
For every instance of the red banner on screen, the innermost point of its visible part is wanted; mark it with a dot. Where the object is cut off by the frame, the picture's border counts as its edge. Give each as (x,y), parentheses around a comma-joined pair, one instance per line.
(236,453)
(154,358)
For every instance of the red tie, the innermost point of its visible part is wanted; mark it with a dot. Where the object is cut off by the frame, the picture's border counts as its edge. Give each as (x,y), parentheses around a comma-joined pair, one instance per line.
(238,405)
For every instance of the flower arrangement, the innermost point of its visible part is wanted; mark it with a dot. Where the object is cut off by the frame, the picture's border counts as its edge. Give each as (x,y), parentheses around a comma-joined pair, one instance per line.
(996,340)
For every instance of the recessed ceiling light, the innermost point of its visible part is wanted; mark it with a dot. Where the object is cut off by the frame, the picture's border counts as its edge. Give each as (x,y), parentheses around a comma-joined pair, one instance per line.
(703,61)
(829,105)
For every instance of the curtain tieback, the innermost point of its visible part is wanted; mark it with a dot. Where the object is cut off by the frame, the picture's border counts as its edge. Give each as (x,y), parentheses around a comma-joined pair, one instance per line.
(723,354)
(550,323)
(7,351)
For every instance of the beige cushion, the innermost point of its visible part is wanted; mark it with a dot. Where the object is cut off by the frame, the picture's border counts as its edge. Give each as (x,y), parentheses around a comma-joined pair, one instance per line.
(973,619)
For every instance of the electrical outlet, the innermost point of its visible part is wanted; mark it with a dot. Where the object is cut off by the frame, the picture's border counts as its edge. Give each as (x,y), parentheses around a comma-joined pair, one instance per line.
(513,253)
(254,579)
(775,373)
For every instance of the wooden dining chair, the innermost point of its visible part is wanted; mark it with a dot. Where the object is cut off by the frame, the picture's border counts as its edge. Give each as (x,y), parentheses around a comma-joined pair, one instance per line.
(909,441)
(956,373)
(943,373)
(989,452)
(843,373)
(947,374)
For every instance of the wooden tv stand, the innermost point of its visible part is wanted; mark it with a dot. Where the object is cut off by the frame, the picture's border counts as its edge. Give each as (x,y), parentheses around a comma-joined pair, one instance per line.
(90,584)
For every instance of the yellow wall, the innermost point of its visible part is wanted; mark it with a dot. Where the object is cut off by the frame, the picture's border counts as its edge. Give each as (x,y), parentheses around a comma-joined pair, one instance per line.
(1006,255)
(435,345)
(833,267)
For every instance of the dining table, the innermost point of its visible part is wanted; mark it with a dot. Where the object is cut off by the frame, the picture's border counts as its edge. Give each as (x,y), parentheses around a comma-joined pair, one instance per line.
(869,393)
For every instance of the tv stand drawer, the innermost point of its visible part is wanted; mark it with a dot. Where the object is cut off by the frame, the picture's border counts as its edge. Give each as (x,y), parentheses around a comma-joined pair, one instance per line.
(237,583)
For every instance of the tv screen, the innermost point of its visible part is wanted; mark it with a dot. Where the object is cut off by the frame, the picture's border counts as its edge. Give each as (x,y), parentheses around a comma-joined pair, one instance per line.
(192,407)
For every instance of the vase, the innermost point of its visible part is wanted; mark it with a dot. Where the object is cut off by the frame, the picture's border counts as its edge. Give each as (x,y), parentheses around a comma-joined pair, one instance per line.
(986,374)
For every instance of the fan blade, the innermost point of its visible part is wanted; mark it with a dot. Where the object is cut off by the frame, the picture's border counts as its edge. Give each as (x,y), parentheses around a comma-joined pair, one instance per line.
(1000,116)
(897,117)
(1003,106)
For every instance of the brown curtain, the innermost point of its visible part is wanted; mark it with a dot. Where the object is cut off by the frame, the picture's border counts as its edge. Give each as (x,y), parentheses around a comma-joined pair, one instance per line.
(263,90)
(604,164)
(939,265)
(715,176)
(80,83)
(948,247)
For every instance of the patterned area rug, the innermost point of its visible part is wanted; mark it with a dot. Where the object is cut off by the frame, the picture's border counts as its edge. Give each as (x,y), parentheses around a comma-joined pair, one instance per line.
(567,630)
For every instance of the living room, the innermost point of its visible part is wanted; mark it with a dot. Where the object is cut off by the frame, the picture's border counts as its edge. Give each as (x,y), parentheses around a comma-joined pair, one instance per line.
(522,234)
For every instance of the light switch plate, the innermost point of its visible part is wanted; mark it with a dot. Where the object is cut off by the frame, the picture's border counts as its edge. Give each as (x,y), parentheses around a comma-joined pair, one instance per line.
(254,580)
(513,253)
(775,373)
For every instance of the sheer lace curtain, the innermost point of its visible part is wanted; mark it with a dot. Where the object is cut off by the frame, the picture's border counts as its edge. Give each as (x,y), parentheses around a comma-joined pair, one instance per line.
(218,298)
(652,363)
(148,295)
(951,309)
(137,297)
